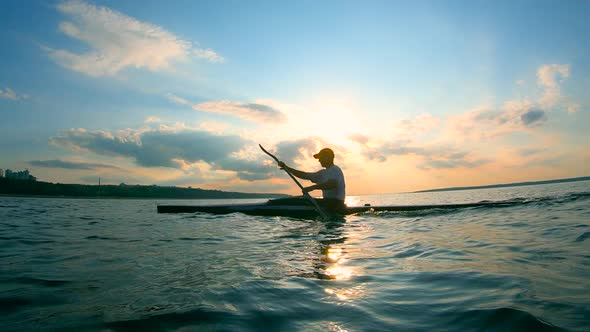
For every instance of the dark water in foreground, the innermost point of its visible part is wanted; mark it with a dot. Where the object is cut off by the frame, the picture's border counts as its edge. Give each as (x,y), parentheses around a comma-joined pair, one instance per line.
(83,264)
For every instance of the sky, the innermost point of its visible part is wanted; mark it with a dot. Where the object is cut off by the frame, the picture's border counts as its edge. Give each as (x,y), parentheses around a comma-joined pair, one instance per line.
(410,95)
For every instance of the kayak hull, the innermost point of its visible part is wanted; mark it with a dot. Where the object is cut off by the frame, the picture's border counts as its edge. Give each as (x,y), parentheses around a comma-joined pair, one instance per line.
(300,208)
(249,209)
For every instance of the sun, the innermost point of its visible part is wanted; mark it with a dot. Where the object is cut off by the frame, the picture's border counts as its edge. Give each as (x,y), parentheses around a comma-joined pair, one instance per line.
(334,120)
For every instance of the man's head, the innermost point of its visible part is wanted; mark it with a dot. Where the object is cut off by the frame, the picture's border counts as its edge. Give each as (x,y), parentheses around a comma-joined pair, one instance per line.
(325,157)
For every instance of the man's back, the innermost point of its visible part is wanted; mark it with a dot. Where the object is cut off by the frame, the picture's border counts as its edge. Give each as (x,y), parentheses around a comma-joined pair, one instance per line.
(331,173)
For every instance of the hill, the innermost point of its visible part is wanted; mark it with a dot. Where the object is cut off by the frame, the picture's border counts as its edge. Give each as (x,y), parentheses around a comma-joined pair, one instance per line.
(517,184)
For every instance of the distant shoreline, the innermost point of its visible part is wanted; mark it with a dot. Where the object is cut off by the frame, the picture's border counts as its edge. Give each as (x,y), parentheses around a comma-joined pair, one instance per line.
(504,185)
(38,189)
(28,188)
(258,196)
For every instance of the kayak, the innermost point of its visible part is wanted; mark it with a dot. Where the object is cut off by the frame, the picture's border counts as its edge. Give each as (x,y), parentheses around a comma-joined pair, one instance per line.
(298,207)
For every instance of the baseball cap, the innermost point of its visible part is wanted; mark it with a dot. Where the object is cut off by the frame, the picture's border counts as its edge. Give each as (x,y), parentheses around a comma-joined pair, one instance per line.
(324,152)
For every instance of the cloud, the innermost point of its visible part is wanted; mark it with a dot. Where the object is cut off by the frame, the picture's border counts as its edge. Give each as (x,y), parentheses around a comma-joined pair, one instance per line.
(550,75)
(532,117)
(170,148)
(117,41)
(374,154)
(549,78)
(258,112)
(154,148)
(485,122)
(290,151)
(359,138)
(246,169)
(100,142)
(208,54)
(437,157)
(405,130)
(368,151)
(418,125)
(152,119)
(178,100)
(573,108)
(530,152)
(57,163)
(8,93)
(446,162)
(515,115)
(247,111)
(459,137)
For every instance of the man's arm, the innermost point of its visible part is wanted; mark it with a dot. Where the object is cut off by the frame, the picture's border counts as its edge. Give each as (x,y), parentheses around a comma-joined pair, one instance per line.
(330,184)
(296,172)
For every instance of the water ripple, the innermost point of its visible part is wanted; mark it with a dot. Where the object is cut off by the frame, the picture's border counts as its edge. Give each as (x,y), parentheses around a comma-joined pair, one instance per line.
(117,265)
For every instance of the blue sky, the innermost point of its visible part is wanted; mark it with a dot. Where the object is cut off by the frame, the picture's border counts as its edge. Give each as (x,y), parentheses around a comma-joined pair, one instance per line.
(410,95)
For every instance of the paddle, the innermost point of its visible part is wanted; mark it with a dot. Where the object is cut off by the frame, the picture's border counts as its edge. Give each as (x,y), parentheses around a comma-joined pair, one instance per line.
(305,194)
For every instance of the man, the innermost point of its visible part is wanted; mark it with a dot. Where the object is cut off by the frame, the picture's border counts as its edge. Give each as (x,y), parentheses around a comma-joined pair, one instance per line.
(329,180)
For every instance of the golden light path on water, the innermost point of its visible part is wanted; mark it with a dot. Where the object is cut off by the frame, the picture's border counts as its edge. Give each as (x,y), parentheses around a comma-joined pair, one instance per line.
(336,259)
(337,271)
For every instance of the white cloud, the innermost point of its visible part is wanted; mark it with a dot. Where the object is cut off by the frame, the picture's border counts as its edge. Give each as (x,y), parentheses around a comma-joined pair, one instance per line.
(431,156)
(516,115)
(8,93)
(359,138)
(208,54)
(118,41)
(178,100)
(261,111)
(418,125)
(487,122)
(248,111)
(152,119)
(472,130)
(573,108)
(549,77)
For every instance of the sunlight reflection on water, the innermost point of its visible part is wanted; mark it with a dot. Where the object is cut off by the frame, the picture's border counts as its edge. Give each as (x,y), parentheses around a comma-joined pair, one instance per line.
(117,265)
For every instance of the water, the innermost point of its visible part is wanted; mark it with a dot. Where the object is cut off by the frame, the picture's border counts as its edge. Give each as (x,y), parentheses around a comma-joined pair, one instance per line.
(87,264)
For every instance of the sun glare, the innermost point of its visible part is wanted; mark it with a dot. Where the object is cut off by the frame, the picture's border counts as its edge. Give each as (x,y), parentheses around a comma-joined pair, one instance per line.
(335,125)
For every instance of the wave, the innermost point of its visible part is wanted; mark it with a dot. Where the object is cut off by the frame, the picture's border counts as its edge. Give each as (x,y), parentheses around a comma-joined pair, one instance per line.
(38,281)
(502,319)
(499,319)
(583,237)
(440,209)
(543,200)
(194,319)
(11,303)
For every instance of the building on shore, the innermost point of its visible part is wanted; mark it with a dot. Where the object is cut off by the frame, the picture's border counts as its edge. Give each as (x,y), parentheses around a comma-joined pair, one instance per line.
(19,175)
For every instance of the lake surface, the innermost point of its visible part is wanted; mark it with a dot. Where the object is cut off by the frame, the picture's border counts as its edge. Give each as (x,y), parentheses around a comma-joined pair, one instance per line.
(109,265)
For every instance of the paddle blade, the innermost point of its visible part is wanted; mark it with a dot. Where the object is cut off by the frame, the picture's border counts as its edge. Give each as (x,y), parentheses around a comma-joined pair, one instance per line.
(268,153)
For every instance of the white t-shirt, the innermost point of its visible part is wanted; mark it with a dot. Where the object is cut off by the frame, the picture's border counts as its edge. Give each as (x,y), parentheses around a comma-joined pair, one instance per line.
(332,172)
